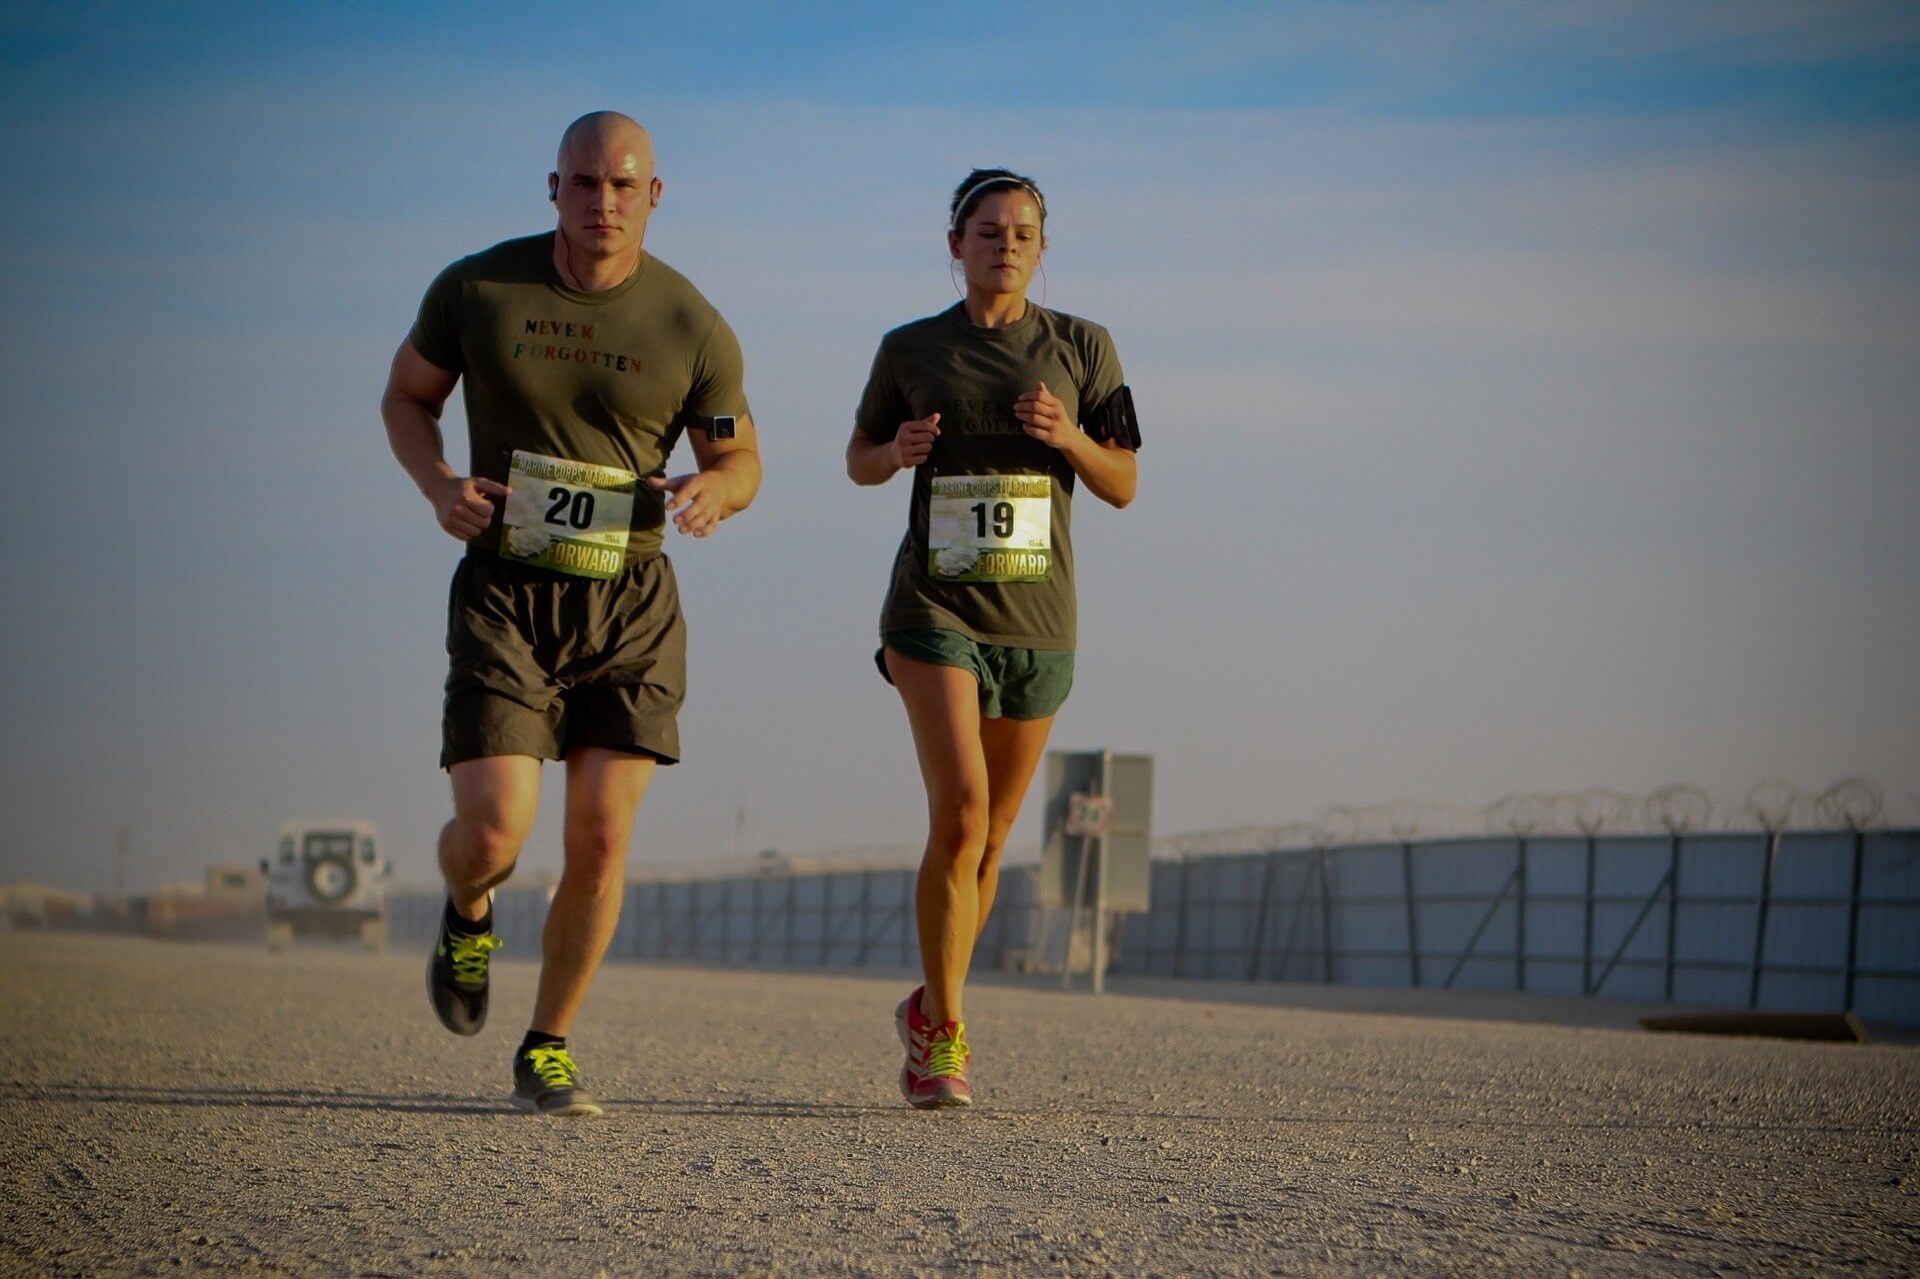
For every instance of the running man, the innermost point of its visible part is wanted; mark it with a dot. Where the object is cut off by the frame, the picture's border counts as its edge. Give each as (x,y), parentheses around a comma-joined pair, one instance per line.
(583,360)
(1000,407)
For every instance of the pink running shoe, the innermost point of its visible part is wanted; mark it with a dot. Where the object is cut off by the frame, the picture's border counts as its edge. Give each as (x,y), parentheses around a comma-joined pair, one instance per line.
(935,1074)
(912,1026)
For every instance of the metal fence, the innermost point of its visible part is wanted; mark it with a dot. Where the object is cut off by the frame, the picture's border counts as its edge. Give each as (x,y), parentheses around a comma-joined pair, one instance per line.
(1797,920)
(844,919)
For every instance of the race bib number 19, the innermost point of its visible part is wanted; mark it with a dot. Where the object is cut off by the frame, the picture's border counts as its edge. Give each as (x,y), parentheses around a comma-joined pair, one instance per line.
(572,517)
(990,528)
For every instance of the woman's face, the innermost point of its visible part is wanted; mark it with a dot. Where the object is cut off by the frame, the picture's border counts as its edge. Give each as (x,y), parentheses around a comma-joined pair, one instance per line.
(1001,242)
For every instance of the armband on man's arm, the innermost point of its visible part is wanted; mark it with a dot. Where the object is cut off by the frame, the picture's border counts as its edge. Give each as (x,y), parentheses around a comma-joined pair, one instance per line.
(1115,420)
(714,428)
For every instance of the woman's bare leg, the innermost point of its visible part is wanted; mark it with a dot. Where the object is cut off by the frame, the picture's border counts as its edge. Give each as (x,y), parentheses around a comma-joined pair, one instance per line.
(943,710)
(1012,748)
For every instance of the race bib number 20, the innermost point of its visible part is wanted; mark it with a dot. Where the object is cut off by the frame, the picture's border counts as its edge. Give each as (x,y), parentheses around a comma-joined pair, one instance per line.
(572,517)
(990,528)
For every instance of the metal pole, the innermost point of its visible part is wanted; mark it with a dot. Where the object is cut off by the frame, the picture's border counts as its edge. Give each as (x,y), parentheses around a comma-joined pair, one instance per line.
(753,931)
(1100,884)
(1413,930)
(866,916)
(791,911)
(1100,919)
(1520,918)
(1673,908)
(1293,925)
(1326,920)
(826,916)
(1761,906)
(1853,917)
(1260,917)
(1586,945)
(1073,911)
(1180,919)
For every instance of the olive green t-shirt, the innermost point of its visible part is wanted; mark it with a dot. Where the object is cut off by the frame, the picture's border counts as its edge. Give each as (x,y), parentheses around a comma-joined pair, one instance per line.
(984,466)
(588,377)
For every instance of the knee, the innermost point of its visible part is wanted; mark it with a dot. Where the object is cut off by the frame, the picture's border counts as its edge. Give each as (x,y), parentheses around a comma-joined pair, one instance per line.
(960,833)
(484,847)
(596,856)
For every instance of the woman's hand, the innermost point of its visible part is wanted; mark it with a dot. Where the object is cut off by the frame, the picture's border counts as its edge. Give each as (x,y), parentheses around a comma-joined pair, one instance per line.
(1045,418)
(913,443)
(1109,471)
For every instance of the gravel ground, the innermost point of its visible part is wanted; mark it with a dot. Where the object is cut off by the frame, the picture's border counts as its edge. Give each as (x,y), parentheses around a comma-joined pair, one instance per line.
(173,1107)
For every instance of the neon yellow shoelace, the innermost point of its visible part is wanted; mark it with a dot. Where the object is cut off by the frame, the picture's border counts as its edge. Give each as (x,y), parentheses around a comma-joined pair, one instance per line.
(553,1066)
(947,1053)
(469,956)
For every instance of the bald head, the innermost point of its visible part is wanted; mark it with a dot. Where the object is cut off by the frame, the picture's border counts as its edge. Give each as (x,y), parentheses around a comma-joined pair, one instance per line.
(606,133)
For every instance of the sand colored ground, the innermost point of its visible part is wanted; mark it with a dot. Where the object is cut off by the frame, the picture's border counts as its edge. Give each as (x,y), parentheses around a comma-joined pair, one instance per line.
(171,1107)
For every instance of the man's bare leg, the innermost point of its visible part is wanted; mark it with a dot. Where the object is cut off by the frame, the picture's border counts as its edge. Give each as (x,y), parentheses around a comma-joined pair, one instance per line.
(494,803)
(494,800)
(604,789)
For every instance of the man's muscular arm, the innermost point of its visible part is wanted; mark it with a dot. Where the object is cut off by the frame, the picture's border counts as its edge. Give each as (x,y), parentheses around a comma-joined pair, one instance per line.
(728,479)
(417,390)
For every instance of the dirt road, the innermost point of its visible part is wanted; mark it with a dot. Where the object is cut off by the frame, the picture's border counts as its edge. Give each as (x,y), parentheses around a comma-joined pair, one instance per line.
(170,1108)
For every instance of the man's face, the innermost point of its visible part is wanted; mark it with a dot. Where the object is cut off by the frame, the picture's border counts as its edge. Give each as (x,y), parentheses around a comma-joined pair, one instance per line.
(605,191)
(1001,242)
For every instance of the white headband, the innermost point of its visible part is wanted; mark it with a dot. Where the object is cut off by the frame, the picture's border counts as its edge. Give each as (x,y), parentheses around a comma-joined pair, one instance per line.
(960,205)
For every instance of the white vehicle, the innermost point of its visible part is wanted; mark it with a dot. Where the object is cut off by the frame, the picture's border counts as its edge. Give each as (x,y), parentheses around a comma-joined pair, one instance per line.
(327,879)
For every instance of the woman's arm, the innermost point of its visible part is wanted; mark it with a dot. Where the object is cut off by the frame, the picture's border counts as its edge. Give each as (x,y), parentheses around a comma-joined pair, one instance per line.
(1109,470)
(871,461)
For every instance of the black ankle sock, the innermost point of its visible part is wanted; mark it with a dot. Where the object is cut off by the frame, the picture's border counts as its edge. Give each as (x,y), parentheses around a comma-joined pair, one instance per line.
(540,1039)
(458,923)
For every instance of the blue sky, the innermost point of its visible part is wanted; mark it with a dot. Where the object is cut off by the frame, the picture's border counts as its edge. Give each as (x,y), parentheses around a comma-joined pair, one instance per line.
(1530,394)
(1830,61)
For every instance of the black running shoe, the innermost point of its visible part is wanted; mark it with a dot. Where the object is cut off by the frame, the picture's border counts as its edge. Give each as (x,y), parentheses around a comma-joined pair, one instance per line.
(546,1081)
(457,979)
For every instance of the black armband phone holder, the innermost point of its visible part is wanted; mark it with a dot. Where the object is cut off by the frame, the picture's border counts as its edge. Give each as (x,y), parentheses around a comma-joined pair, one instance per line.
(715,428)
(1115,420)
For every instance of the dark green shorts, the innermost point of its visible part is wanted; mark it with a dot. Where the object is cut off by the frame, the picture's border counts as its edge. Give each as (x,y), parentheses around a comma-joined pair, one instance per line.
(541,662)
(1015,683)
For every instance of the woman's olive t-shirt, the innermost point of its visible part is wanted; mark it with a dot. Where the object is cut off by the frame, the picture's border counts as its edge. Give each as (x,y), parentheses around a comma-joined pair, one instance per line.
(989,544)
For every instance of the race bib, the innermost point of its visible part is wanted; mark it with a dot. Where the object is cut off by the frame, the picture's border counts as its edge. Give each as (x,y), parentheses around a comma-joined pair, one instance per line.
(571,517)
(990,528)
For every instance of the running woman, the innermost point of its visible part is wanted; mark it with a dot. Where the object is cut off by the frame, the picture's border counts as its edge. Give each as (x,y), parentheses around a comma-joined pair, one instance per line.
(1000,408)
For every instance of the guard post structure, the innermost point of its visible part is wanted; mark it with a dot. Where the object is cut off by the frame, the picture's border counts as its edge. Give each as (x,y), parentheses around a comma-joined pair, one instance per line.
(1098,840)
